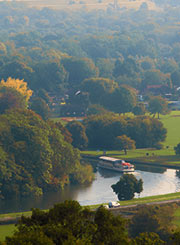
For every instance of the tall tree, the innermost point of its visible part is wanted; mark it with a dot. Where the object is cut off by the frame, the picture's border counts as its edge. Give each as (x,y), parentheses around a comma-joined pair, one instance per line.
(124,143)
(158,105)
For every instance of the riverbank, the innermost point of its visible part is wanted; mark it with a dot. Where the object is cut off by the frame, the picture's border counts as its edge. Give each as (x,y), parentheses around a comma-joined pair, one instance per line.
(159,158)
(12,218)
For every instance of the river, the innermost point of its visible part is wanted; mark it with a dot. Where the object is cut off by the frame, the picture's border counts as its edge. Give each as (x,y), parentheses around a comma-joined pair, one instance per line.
(156,180)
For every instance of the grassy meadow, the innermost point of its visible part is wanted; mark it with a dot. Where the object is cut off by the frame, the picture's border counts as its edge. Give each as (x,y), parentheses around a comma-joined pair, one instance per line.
(6,230)
(165,156)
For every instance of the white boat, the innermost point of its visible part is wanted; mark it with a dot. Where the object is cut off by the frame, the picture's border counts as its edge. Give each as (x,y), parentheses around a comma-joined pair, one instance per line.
(115,164)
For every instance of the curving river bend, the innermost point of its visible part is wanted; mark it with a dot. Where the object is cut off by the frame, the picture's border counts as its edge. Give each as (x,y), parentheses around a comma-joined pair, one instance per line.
(156,180)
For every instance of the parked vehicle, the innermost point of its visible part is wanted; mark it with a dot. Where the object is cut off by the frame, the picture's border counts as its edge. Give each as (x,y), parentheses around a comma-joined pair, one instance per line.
(114,204)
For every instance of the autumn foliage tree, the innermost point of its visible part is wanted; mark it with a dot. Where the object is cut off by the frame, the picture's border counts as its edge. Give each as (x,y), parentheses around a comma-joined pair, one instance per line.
(18,85)
(14,93)
(124,143)
(11,98)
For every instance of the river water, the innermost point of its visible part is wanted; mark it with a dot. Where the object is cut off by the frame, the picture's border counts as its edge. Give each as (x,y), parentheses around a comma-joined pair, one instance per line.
(156,180)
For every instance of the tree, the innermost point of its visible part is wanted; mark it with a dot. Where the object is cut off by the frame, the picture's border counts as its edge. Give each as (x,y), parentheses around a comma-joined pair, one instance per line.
(127,186)
(155,77)
(158,105)
(125,67)
(39,106)
(10,98)
(156,219)
(17,69)
(96,109)
(99,89)
(122,99)
(78,133)
(79,69)
(124,143)
(19,85)
(177,149)
(102,130)
(49,75)
(147,238)
(65,223)
(146,131)
(139,109)
(110,228)
(175,77)
(35,157)
(106,67)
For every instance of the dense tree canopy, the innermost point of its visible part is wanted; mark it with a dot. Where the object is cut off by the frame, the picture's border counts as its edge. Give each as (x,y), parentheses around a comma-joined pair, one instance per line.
(69,223)
(127,186)
(78,133)
(102,130)
(35,156)
(158,105)
(10,98)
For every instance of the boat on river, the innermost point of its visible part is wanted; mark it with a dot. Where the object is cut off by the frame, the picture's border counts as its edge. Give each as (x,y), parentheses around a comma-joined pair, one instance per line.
(115,164)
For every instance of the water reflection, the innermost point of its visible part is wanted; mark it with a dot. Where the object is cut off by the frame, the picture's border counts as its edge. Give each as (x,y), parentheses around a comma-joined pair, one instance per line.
(151,169)
(155,181)
(108,173)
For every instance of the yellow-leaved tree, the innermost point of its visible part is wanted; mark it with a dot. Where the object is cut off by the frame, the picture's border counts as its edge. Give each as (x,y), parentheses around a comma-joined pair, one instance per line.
(19,85)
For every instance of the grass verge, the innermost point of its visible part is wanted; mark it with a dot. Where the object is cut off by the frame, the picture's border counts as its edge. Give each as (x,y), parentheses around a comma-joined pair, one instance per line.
(6,230)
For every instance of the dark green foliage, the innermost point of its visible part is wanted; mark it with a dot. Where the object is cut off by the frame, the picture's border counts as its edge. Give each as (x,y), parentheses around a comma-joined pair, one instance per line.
(16,69)
(122,100)
(147,238)
(34,155)
(79,69)
(146,131)
(126,67)
(10,98)
(99,90)
(110,229)
(127,186)
(177,149)
(49,75)
(96,110)
(139,109)
(156,219)
(102,130)
(77,130)
(69,223)
(175,238)
(39,106)
(158,105)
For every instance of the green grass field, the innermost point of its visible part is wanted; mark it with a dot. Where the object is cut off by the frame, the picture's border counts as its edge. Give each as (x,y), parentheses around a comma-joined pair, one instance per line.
(6,230)
(164,156)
